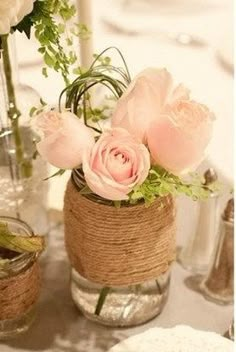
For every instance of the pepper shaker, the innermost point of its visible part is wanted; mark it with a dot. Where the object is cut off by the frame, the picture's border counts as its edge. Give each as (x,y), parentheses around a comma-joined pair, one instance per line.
(218,285)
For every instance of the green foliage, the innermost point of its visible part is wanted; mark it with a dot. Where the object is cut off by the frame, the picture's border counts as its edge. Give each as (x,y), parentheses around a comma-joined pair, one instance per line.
(160,183)
(97,114)
(81,30)
(117,204)
(58,173)
(103,60)
(77,94)
(35,110)
(19,243)
(49,19)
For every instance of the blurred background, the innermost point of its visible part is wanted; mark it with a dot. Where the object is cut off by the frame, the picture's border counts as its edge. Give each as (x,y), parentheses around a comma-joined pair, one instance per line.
(193,39)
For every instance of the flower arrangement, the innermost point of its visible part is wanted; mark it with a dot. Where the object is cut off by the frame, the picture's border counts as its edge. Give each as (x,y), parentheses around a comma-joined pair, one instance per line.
(157,136)
(126,172)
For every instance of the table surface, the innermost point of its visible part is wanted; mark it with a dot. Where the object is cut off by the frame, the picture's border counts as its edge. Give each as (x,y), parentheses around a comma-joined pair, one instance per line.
(60,327)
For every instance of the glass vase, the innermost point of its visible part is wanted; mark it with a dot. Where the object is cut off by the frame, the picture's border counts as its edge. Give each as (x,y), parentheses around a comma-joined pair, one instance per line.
(120,257)
(23,191)
(19,285)
(120,306)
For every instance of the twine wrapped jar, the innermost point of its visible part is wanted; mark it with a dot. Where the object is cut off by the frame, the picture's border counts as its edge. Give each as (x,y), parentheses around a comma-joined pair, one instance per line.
(120,257)
(19,285)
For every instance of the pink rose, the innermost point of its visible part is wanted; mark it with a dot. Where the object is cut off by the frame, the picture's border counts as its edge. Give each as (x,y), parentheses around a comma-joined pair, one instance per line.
(178,138)
(116,163)
(64,138)
(145,99)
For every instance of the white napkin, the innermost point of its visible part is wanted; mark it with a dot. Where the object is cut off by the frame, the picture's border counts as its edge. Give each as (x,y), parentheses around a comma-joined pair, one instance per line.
(178,339)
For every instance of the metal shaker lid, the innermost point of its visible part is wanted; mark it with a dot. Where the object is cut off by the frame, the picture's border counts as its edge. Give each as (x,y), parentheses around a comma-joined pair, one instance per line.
(228,214)
(210,176)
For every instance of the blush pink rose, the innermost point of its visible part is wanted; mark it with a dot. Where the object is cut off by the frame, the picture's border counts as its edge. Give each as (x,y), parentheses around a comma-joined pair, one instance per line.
(178,139)
(144,101)
(116,163)
(64,138)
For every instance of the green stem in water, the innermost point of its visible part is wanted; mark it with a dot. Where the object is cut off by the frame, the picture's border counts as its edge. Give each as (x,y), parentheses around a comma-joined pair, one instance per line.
(158,287)
(101,299)
(13,111)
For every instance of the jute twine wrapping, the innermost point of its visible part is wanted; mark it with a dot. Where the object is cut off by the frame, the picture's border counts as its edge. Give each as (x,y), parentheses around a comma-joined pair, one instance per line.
(118,247)
(18,293)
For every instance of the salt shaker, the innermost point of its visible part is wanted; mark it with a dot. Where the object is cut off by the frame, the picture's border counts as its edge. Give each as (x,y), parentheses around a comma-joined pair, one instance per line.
(218,285)
(198,251)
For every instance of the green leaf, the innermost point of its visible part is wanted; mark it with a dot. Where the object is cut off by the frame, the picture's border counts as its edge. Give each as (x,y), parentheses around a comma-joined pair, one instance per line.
(45,72)
(32,111)
(61,28)
(19,243)
(67,12)
(58,173)
(77,71)
(42,102)
(24,26)
(42,50)
(69,41)
(4,263)
(85,190)
(117,204)
(49,60)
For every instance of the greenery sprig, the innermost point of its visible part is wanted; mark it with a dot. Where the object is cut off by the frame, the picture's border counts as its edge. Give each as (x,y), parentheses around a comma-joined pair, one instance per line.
(160,183)
(101,72)
(51,22)
(19,243)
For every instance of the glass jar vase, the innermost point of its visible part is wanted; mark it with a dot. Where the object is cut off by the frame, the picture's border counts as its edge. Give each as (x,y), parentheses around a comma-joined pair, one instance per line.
(120,306)
(23,197)
(120,257)
(19,284)
(23,191)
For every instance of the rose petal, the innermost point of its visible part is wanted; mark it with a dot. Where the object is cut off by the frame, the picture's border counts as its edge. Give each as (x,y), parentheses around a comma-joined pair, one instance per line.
(174,149)
(64,147)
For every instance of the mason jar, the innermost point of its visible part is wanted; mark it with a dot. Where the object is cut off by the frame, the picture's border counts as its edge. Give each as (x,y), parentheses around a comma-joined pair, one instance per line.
(120,257)
(19,284)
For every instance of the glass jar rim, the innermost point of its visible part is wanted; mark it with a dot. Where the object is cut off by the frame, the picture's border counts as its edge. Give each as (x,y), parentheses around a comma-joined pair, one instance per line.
(28,232)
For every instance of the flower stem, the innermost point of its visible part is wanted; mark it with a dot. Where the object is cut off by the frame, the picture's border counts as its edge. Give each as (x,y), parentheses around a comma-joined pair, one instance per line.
(101,299)
(13,111)
(158,287)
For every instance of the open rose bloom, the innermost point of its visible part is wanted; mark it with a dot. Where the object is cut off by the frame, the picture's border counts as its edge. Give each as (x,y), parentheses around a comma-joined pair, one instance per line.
(154,123)
(115,164)
(176,129)
(64,138)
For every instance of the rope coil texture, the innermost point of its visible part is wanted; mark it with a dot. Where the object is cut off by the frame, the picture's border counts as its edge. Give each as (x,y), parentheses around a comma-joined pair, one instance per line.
(18,293)
(118,247)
